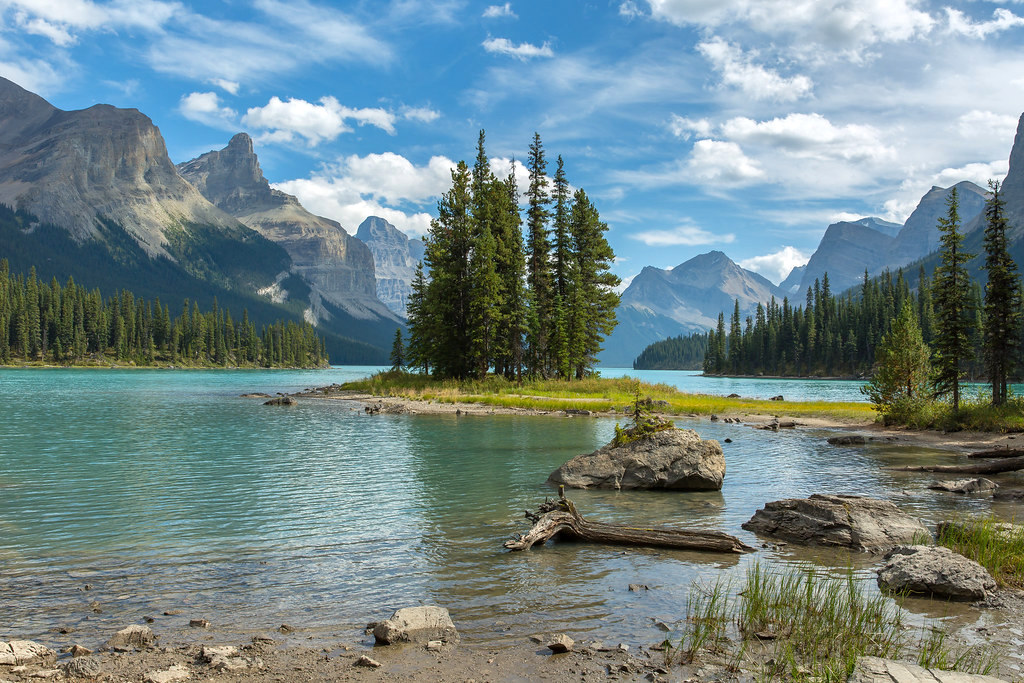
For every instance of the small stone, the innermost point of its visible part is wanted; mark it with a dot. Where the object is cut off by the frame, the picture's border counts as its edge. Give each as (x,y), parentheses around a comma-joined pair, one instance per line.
(560,643)
(199,623)
(662,625)
(95,607)
(78,651)
(82,667)
(172,612)
(434,645)
(714,418)
(178,672)
(285,628)
(134,636)
(367,662)
(727,441)
(45,673)
(637,587)
(847,440)
(416,624)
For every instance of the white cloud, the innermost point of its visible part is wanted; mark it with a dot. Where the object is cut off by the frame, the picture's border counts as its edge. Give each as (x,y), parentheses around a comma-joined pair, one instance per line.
(57,34)
(686,234)
(629,9)
(205,108)
(284,120)
(34,75)
(960,23)
(523,51)
(421,114)
(685,128)
(776,266)
(898,208)
(986,123)
(715,161)
(739,70)
(57,20)
(499,11)
(226,85)
(810,136)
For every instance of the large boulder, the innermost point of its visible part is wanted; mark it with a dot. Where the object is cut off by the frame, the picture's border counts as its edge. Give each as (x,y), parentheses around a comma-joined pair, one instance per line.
(25,652)
(934,570)
(669,459)
(877,670)
(837,520)
(416,625)
(132,637)
(978,485)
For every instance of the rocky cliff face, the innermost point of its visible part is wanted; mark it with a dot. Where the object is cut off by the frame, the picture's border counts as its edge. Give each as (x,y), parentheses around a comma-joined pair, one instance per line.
(663,303)
(75,169)
(338,268)
(395,257)
(1013,185)
(845,250)
(920,234)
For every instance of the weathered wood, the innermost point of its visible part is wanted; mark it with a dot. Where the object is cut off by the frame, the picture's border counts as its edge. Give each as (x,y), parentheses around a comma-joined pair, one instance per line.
(568,523)
(998,453)
(991,467)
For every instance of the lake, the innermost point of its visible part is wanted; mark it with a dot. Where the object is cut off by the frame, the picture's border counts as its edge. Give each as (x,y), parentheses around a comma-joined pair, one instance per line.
(125,494)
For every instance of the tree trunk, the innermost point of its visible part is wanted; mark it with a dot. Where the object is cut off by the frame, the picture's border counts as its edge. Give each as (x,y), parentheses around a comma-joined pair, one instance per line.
(991,467)
(998,453)
(561,518)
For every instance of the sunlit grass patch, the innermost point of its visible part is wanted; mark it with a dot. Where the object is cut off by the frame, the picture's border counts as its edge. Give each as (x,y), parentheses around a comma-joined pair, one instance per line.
(995,545)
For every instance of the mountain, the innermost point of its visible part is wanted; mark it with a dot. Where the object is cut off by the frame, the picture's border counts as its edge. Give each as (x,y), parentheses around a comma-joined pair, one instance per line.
(663,303)
(92,194)
(337,268)
(791,285)
(394,257)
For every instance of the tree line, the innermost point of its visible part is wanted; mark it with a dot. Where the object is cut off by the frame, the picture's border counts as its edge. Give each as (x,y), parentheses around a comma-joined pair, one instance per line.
(69,324)
(483,299)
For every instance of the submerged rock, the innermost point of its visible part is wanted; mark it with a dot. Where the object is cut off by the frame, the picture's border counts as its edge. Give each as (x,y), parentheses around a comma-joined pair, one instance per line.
(669,459)
(877,670)
(416,625)
(965,485)
(836,520)
(848,440)
(281,401)
(934,570)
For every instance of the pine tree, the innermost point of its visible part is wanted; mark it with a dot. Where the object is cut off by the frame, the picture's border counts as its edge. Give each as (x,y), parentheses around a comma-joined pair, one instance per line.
(397,351)
(538,266)
(902,367)
(1001,322)
(953,322)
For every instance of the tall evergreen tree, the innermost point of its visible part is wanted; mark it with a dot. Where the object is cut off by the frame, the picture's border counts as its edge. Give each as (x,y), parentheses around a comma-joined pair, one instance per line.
(538,255)
(1001,322)
(953,314)
(902,367)
(510,266)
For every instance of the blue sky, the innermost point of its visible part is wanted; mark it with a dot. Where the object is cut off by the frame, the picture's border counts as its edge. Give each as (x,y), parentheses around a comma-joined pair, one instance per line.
(740,125)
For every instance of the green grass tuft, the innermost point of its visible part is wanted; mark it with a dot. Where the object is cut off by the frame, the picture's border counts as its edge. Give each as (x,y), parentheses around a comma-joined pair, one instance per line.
(995,545)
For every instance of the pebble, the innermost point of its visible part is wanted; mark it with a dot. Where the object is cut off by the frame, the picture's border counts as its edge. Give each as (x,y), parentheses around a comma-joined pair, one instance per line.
(367,662)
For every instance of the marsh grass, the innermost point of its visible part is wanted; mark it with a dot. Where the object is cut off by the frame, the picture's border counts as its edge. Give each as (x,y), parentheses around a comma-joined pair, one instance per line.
(593,393)
(995,545)
(807,625)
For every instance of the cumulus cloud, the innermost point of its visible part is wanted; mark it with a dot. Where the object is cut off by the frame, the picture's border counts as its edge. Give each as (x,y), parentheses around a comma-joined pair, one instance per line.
(226,85)
(685,128)
(1003,20)
(500,11)
(722,162)
(898,208)
(738,70)
(810,136)
(421,114)
(687,234)
(206,108)
(283,121)
(522,52)
(776,266)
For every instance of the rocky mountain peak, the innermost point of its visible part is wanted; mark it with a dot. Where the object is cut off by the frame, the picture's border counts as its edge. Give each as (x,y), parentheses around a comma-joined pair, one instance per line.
(231,177)
(394,258)
(1013,185)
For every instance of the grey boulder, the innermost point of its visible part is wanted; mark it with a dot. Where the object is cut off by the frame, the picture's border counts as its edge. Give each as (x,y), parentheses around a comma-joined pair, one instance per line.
(132,637)
(877,670)
(836,520)
(934,570)
(416,625)
(25,652)
(964,485)
(669,459)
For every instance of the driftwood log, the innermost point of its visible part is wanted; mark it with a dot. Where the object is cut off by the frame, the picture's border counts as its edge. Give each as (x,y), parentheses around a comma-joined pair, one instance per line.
(991,467)
(997,453)
(560,518)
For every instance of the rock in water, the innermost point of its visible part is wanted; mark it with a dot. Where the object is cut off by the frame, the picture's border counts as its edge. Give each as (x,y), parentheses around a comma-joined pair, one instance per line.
(836,520)
(669,459)
(934,570)
(965,485)
(876,670)
(416,625)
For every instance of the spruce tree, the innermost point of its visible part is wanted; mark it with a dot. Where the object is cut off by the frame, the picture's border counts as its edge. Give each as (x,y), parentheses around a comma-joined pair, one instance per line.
(1001,322)
(953,315)
(902,367)
(538,266)
(510,265)
(397,351)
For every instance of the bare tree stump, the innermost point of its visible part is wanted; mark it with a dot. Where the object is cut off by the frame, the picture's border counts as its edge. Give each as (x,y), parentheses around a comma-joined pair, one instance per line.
(560,518)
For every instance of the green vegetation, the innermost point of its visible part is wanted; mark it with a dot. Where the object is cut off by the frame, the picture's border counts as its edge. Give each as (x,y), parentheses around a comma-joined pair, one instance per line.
(590,393)
(50,323)
(805,626)
(642,420)
(899,387)
(674,353)
(1002,315)
(470,312)
(997,546)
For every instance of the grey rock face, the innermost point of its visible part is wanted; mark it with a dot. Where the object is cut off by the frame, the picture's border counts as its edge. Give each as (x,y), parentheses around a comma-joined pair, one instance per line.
(934,570)
(836,520)
(920,234)
(394,258)
(845,250)
(965,485)
(336,266)
(669,459)
(877,670)
(416,625)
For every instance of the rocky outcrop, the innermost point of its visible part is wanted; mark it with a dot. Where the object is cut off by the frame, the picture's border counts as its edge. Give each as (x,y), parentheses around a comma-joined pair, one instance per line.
(845,250)
(920,234)
(979,485)
(132,637)
(877,670)
(836,520)
(416,625)
(25,653)
(934,570)
(669,459)
(394,258)
(337,267)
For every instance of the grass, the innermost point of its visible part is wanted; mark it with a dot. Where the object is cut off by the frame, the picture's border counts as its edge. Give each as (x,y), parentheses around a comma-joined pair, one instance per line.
(997,546)
(976,414)
(595,393)
(804,625)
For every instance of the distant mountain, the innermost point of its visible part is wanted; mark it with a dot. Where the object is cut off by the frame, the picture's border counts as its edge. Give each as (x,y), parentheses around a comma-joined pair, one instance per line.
(336,267)
(395,256)
(663,303)
(791,285)
(93,195)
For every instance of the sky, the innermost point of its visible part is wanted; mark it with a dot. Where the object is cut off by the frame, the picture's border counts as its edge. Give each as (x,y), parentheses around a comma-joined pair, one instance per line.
(746,126)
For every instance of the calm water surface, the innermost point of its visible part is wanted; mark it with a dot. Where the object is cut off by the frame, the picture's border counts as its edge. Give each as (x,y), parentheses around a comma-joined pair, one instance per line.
(150,491)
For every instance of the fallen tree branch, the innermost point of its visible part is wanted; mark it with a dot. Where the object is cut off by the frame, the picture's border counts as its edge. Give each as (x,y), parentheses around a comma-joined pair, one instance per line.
(566,522)
(998,453)
(991,467)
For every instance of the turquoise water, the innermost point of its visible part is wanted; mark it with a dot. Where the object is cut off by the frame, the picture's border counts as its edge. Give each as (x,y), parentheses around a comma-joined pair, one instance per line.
(139,492)
(692,381)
